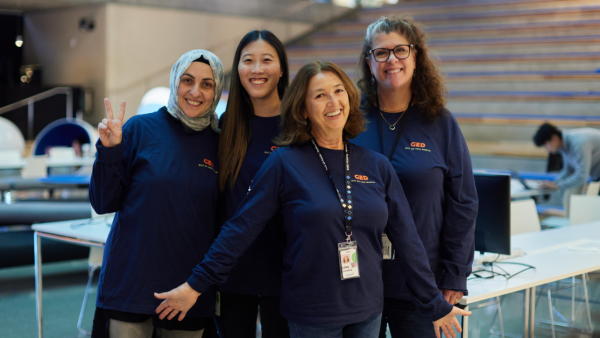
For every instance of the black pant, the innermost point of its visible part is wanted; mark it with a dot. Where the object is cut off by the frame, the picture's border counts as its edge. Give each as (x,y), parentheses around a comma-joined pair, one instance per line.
(239,312)
(405,320)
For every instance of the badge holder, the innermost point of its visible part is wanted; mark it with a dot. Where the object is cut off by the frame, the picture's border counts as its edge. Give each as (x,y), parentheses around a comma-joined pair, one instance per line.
(348,255)
(388,251)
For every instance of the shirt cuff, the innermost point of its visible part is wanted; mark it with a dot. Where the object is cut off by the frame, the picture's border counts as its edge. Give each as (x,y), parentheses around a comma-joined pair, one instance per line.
(199,284)
(454,282)
(442,309)
(110,155)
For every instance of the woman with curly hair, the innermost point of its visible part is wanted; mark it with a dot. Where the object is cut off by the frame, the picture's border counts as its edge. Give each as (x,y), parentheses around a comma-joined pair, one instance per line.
(403,99)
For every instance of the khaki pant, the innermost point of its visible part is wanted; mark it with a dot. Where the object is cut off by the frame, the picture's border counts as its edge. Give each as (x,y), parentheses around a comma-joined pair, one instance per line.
(118,329)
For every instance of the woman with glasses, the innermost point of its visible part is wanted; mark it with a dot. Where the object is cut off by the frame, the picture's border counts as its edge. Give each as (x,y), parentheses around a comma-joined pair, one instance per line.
(403,98)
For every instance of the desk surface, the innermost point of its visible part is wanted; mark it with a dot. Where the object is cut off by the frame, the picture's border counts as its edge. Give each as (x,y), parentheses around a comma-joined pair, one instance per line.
(518,190)
(549,251)
(66,179)
(95,230)
(78,161)
(548,240)
(12,165)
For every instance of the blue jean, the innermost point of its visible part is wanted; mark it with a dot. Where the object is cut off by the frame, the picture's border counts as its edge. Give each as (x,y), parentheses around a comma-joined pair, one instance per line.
(365,329)
(405,320)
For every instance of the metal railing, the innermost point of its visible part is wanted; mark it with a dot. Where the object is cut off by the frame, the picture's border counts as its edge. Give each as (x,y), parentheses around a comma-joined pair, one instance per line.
(29,102)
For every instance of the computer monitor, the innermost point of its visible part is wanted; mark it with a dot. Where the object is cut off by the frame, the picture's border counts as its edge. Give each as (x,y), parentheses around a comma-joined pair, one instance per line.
(492,230)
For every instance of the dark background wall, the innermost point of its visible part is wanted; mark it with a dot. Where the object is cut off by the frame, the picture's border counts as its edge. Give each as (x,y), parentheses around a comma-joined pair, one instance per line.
(10,55)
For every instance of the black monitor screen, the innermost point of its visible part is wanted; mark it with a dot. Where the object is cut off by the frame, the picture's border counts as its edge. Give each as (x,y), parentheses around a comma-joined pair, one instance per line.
(492,232)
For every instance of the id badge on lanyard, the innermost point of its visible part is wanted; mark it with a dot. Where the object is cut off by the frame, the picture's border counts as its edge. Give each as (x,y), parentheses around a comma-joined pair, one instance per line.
(348,260)
(388,251)
(348,250)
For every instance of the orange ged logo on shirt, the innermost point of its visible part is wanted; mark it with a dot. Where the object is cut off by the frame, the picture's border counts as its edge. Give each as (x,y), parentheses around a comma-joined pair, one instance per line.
(417,144)
(274,147)
(209,165)
(361,177)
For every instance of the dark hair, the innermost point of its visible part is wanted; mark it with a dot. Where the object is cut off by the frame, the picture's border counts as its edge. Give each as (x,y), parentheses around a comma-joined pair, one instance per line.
(427,86)
(236,131)
(544,134)
(202,59)
(295,129)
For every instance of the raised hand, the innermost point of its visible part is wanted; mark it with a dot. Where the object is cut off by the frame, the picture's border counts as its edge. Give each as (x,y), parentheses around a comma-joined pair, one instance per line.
(110,129)
(449,323)
(176,301)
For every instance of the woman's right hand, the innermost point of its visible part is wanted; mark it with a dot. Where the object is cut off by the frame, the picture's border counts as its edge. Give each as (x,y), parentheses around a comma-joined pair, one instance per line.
(111,130)
(449,322)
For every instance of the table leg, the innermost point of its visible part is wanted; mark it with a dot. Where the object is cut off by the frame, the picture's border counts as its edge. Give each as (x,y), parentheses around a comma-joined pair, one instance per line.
(587,301)
(37,251)
(551,311)
(500,316)
(532,313)
(573,301)
(465,325)
(526,312)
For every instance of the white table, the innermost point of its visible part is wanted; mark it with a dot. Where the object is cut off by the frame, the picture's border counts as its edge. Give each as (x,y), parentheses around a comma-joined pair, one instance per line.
(518,190)
(553,253)
(12,164)
(73,162)
(86,232)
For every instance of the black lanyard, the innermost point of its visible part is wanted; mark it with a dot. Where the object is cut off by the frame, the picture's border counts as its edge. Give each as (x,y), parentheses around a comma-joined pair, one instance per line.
(347,206)
(402,124)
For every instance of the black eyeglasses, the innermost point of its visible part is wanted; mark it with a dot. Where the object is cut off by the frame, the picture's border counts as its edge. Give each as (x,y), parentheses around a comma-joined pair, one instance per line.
(383,54)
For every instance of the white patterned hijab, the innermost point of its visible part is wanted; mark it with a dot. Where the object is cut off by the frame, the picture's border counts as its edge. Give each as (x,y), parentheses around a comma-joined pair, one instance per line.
(210,117)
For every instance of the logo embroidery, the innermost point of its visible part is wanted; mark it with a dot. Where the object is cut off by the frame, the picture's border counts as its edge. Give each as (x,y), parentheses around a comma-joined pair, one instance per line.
(273,148)
(420,146)
(362,179)
(208,164)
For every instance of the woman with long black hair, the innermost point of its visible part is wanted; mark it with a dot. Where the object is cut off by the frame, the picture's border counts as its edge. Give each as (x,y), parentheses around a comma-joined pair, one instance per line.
(250,124)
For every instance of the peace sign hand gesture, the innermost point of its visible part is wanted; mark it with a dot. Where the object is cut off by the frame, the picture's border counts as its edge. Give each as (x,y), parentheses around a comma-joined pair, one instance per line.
(111,130)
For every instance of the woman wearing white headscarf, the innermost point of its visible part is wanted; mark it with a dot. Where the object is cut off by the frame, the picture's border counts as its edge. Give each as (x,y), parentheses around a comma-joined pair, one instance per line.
(158,172)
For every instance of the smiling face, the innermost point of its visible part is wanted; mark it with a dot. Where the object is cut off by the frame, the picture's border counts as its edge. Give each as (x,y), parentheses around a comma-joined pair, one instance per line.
(393,73)
(196,89)
(259,70)
(327,105)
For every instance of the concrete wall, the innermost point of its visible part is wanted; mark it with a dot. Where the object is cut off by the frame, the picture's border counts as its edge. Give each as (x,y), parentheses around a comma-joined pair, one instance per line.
(69,56)
(132,48)
(143,43)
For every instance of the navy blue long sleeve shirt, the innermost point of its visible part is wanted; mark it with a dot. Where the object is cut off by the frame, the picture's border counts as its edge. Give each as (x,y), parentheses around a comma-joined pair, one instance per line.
(294,181)
(162,184)
(434,167)
(258,271)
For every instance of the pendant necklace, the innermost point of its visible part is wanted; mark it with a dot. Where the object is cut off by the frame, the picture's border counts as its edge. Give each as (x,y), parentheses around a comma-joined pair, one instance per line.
(393,126)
